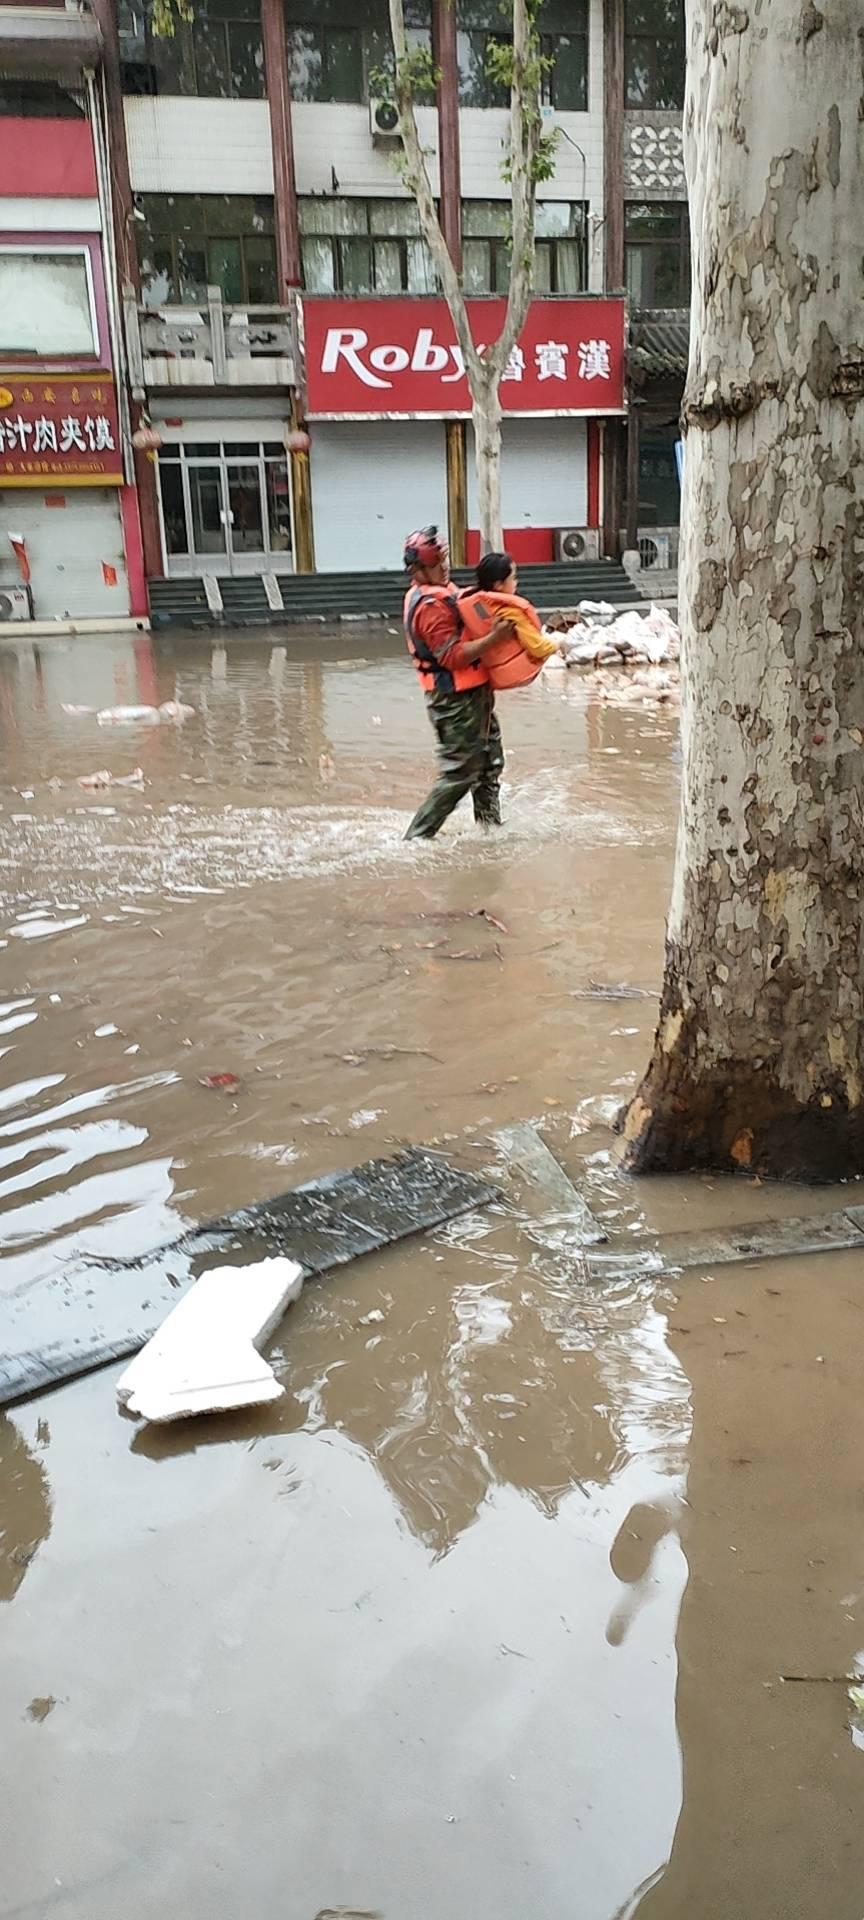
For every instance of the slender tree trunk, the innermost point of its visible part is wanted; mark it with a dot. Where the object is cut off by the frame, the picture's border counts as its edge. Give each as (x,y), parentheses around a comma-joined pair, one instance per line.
(483,372)
(487,452)
(759,1055)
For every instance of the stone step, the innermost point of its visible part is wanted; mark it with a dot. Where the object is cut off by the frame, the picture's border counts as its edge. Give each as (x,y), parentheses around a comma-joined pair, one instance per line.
(334,596)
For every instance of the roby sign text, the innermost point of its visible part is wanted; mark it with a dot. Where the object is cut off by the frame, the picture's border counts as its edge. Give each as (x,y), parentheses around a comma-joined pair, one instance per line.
(400,356)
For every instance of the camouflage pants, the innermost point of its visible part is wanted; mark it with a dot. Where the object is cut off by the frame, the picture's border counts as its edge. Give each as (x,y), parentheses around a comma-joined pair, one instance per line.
(470,760)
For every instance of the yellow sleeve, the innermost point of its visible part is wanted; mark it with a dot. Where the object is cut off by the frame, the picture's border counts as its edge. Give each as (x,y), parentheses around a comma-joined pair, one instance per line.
(533,643)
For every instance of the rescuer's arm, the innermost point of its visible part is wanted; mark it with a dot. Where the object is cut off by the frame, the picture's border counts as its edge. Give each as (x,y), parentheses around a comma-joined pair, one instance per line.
(471,650)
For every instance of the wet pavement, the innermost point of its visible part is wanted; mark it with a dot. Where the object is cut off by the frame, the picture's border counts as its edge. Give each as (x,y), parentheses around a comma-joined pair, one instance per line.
(487,1616)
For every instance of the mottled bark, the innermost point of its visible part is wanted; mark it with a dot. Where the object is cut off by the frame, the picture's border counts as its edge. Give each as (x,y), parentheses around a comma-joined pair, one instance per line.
(759,1055)
(487,454)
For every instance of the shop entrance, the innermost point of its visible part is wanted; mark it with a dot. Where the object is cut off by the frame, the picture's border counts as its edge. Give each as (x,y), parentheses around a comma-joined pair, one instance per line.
(226,507)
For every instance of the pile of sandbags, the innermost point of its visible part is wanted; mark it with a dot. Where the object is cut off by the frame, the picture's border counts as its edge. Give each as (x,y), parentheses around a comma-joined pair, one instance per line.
(645,687)
(631,639)
(647,646)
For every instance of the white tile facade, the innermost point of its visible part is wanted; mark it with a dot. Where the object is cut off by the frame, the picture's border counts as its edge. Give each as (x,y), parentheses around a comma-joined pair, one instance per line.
(337,139)
(199,146)
(223,146)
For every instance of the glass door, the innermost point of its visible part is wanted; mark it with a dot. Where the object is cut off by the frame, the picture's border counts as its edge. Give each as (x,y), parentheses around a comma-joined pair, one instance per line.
(246,517)
(208,510)
(225,507)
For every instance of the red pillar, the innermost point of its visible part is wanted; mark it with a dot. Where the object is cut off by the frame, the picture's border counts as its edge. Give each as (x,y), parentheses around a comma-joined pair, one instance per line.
(450,177)
(282,138)
(449,163)
(127,259)
(613,147)
(288,263)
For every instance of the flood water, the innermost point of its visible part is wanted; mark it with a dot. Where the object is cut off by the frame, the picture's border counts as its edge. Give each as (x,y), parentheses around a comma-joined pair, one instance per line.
(486,1618)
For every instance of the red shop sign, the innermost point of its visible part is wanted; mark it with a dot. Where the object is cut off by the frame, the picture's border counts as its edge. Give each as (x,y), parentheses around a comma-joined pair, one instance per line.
(61,428)
(392,356)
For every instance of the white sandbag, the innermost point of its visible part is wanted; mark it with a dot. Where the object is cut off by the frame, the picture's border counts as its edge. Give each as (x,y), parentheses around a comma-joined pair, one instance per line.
(599,611)
(628,627)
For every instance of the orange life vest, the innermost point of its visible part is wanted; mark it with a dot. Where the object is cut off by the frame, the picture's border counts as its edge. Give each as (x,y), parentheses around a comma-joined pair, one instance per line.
(508,664)
(435,678)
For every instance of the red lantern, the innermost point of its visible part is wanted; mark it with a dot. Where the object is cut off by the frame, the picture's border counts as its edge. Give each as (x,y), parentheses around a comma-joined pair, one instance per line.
(297,440)
(146,439)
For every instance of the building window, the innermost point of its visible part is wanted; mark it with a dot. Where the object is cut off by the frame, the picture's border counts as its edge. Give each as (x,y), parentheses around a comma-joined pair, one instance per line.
(335,49)
(654,56)
(217,52)
(559,251)
(188,242)
(46,303)
(564,36)
(657,239)
(363,246)
(39,100)
(659,489)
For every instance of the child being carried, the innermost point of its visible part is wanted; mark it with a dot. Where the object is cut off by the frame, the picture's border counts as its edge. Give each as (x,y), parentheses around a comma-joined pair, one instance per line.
(517,660)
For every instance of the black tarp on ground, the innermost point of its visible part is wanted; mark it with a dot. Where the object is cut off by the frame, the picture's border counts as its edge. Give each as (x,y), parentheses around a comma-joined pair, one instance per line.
(98,1311)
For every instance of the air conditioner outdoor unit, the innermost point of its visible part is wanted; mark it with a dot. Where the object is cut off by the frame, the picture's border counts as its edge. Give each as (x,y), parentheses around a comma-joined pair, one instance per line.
(383,120)
(15,604)
(654,552)
(577,543)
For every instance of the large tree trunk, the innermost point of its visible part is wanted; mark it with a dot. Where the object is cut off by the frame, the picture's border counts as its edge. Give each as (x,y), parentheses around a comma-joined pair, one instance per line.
(759,1055)
(487,460)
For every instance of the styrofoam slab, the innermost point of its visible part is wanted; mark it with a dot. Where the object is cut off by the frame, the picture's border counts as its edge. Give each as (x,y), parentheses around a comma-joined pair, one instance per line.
(204,1358)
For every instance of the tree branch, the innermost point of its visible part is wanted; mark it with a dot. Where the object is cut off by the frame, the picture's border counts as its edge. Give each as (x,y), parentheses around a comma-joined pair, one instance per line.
(524,143)
(417,179)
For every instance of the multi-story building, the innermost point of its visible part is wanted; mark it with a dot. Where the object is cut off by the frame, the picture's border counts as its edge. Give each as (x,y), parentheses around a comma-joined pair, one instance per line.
(290,380)
(70,540)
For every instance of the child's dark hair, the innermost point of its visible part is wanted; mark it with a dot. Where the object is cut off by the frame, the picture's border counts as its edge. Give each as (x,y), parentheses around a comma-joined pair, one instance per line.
(493,570)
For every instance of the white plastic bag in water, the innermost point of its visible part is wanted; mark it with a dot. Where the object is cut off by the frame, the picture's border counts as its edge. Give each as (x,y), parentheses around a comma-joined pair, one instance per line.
(128,716)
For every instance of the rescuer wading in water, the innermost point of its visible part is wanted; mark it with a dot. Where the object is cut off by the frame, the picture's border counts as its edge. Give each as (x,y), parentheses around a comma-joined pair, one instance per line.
(459,699)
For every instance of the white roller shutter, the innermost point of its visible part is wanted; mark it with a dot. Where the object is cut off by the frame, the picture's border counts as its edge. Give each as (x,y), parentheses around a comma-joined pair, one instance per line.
(67,546)
(544,474)
(371,484)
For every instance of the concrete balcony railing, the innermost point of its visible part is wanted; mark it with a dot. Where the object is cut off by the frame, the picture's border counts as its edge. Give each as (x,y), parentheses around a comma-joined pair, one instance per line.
(208,346)
(59,37)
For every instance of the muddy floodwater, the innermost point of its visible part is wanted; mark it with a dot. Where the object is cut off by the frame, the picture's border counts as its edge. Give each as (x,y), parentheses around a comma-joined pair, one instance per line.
(488,1617)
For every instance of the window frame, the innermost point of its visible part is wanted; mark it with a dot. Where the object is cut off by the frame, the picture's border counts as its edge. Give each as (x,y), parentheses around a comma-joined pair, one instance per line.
(499,244)
(548,43)
(649,242)
(367,236)
(324,30)
(580,30)
(162,238)
(667,54)
(344,20)
(185,33)
(81,251)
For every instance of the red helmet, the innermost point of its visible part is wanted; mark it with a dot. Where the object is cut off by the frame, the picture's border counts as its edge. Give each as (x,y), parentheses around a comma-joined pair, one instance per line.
(426,548)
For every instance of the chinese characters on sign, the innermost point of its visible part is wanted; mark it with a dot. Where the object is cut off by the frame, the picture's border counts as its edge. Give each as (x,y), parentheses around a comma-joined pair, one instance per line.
(46,436)
(63,427)
(594,360)
(400,356)
(550,359)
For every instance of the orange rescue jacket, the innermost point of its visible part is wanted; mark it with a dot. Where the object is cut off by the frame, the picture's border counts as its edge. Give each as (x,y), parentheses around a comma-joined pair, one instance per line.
(429,658)
(516,661)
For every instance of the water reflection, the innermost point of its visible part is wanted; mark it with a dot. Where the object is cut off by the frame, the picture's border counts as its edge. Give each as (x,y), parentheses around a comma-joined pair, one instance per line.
(442,1574)
(25,1508)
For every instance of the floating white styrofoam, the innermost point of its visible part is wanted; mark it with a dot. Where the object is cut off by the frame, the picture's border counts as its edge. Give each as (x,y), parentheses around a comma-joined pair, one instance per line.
(203,1358)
